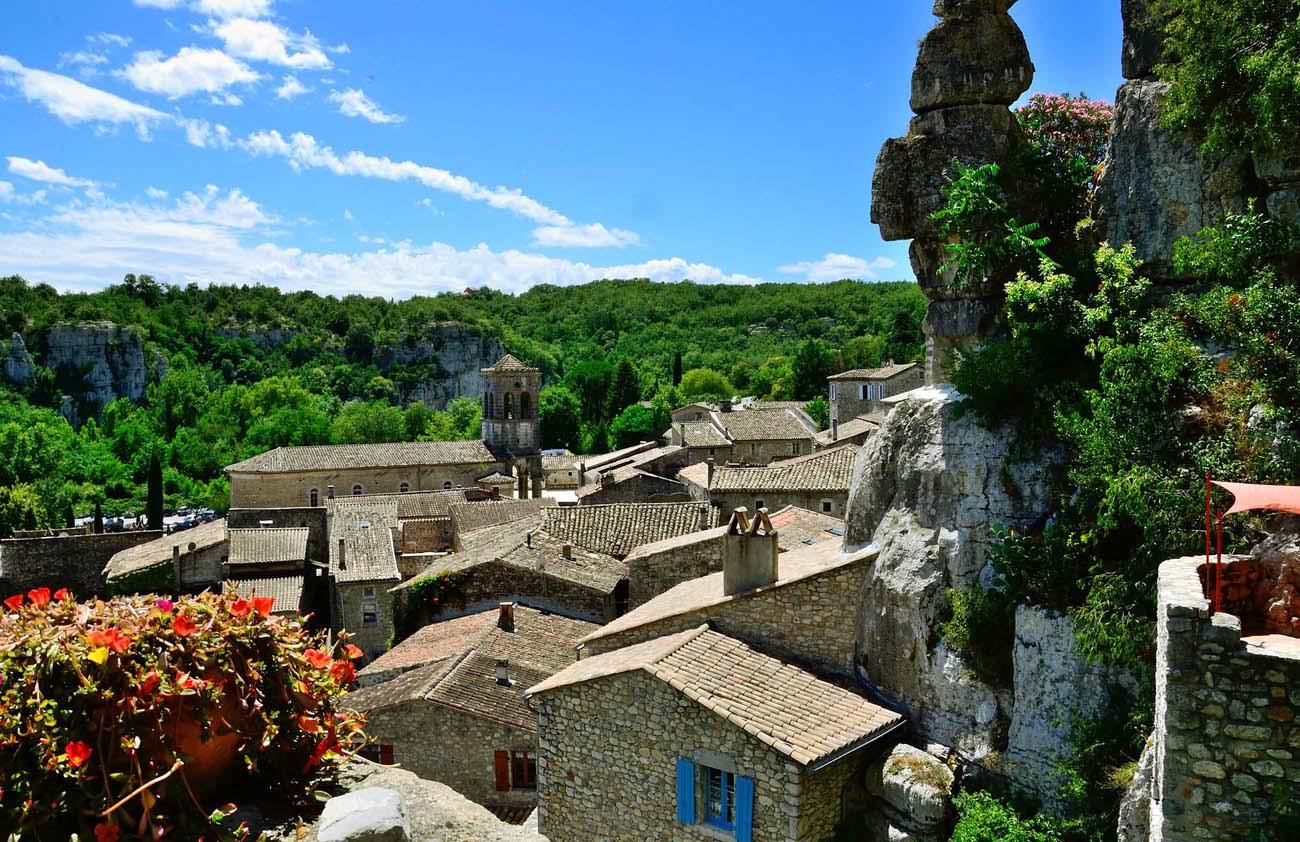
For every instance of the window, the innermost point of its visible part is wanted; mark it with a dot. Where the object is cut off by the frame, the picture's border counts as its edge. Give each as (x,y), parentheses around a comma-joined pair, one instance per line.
(403,487)
(510,405)
(758,504)
(357,490)
(515,770)
(713,451)
(446,485)
(386,754)
(835,391)
(717,797)
(862,391)
(796,447)
(525,408)
(370,614)
(313,498)
(753,449)
(368,592)
(827,506)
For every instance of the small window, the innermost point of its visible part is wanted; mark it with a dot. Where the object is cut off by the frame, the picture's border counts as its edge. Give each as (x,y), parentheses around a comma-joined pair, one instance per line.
(827,505)
(313,498)
(357,490)
(796,447)
(753,449)
(758,504)
(446,485)
(719,798)
(370,614)
(523,770)
(862,391)
(835,391)
(368,592)
(713,451)
(403,487)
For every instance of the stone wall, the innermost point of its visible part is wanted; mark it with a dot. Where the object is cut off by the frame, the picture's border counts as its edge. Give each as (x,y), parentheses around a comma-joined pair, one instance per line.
(812,621)
(846,405)
(348,604)
(292,490)
(1227,747)
(75,562)
(641,487)
(652,573)
(608,757)
(463,757)
(315,519)
(770,450)
(729,501)
(425,534)
(492,583)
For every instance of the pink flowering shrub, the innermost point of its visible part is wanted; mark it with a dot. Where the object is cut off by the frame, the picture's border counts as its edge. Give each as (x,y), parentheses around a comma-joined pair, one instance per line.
(1068,137)
(134,717)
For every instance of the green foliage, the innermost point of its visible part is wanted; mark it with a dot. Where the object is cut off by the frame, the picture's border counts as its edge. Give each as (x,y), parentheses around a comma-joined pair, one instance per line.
(981,628)
(1283,823)
(368,422)
(427,597)
(1068,137)
(982,817)
(813,363)
(21,507)
(559,414)
(1231,66)
(705,384)
(624,388)
(819,411)
(462,421)
(634,424)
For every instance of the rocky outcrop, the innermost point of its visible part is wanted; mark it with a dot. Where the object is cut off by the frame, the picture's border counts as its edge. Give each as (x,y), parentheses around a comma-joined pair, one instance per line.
(929,487)
(1134,823)
(458,352)
(969,70)
(912,793)
(18,363)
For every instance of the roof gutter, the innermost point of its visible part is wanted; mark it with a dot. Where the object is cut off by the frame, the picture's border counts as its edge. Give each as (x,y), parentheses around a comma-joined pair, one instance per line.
(840,754)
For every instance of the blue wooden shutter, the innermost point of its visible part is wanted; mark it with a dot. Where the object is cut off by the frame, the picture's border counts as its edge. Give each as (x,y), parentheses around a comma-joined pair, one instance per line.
(744,809)
(685,791)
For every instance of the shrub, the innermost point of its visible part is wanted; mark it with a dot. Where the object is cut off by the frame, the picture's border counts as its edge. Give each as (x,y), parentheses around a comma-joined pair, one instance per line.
(981,630)
(129,716)
(985,818)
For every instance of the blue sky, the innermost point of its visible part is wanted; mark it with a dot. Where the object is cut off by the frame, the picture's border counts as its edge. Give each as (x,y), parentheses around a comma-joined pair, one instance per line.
(397,147)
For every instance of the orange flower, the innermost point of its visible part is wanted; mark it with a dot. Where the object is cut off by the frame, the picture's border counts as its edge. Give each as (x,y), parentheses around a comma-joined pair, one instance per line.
(310,724)
(62,594)
(353,652)
(150,683)
(263,604)
(318,659)
(240,607)
(112,638)
(40,597)
(343,672)
(183,626)
(77,753)
(14,602)
(106,832)
(120,642)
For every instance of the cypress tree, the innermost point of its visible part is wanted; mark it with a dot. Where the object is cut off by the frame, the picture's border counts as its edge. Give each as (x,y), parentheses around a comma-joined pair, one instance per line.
(677,369)
(98,526)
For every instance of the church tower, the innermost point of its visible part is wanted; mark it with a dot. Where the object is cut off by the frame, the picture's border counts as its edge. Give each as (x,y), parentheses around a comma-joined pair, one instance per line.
(510,418)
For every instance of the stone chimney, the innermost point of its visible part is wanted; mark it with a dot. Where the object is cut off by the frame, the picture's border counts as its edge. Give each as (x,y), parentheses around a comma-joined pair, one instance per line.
(342,555)
(835,429)
(506,616)
(750,552)
(503,672)
(329,492)
(567,551)
(709,481)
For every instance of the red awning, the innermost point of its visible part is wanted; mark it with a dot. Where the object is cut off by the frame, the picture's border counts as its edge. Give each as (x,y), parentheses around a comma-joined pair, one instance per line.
(1275,498)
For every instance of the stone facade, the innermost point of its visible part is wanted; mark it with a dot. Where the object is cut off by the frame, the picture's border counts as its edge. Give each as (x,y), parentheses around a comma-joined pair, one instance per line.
(609,750)
(281,518)
(510,395)
(424,535)
(495,582)
(833,503)
(351,608)
(294,489)
(76,562)
(851,396)
(770,450)
(654,568)
(1227,746)
(633,486)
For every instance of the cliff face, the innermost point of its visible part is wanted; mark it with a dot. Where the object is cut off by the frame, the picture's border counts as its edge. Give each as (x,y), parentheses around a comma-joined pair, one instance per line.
(458,353)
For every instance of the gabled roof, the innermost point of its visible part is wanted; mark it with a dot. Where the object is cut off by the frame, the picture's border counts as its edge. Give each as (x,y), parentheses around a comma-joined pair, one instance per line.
(563,462)
(790,710)
(702,434)
(366,528)
(496,478)
(510,363)
(796,527)
(601,461)
(765,424)
(159,550)
(419,504)
(619,528)
(885,372)
(827,470)
(342,457)
(285,590)
(480,514)
(265,546)
(854,427)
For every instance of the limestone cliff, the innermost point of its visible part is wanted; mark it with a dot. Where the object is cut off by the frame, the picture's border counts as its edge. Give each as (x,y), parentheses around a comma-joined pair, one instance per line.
(459,354)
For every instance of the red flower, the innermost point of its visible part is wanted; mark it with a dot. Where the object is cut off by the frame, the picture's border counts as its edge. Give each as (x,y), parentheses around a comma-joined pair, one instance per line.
(120,642)
(318,659)
(343,672)
(106,832)
(240,607)
(353,652)
(14,602)
(40,597)
(310,724)
(150,683)
(77,753)
(183,626)
(62,594)
(263,604)
(186,682)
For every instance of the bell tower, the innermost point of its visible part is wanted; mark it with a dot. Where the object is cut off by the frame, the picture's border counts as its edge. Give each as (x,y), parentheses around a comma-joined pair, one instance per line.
(510,418)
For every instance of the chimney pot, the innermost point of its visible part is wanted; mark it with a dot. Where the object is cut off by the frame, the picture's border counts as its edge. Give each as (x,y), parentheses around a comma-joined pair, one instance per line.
(329,492)
(567,551)
(835,429)
(503,672)
(506,616)
(750,553)
(342,555)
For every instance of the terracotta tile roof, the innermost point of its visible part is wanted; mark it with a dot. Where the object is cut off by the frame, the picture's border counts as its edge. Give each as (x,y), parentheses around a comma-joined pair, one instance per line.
(268,545)
(471,686)
(418,504)
(794,566)
(560,463)
(511,363)
(341,457)
(480,514)
(677,542)
(366,527)
(703,434)
(851,428)
(496,478)
(407,687)
(789,709)
(883,373)
(619,528)
(770,405)
(286,590)
(765,425)
(159,551)
(796,527)
(435,642)
(827,470)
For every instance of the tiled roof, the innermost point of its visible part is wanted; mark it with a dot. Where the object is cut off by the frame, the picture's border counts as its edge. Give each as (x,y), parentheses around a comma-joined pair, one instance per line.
(770,405)
(435,642)
(705,592)
(798,527)
(286,590)
(827,470)
(885,372)
(421,504)
(619,528)
(496,478)
(600,461)
(703,434)
(407,687)
(480,514)
(788,709)
(472,687)
(851,428)
(704,536)
(764,424)
(697,474)
(159,550)
(268,545)
(627,474)
(366,528)
(567,462)
(341,457)
(511,363)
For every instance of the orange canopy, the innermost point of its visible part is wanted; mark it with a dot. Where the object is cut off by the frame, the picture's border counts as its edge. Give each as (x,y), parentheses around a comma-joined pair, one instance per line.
(1276,498)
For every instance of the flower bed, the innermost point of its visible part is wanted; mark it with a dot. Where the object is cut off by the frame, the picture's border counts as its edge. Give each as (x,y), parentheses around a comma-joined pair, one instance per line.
(133,717)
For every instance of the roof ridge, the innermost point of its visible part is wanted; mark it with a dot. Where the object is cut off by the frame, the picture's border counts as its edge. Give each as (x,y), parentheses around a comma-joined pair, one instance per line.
(442,679)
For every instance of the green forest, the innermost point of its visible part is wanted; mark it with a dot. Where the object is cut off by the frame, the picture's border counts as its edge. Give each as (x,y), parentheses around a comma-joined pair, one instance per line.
(604,348)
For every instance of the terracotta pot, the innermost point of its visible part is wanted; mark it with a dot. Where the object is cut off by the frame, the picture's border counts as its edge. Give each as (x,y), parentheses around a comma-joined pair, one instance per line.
(210,763)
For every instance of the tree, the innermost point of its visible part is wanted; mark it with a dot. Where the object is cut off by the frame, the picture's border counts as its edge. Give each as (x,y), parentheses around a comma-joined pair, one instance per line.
(466,418)
(369,423)
(559,414)
(706,384)
(417,417)
(20,508)
(813,363)
(359,344)
(624,390)
(154,505)
(819,411)
(677,368)
(589,380)
(863,351)
(634,424)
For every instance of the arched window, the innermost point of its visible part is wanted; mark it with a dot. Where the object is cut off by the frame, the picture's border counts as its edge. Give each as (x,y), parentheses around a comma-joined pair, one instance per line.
(357,490)
(313,498)
(510,405)
(404,487)
(446,485)
(525,408)
(491,410)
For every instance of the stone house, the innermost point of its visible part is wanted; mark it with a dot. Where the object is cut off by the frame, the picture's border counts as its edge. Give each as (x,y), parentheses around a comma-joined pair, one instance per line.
(632,485)
(448,702)
(863,390)
(693,412)
(703,440)
(818,482)
(761,436)
(617,529)
(470,517)
(854,431)
(560,470)
(697,736)
(307,476)
(363,568)
(189,560)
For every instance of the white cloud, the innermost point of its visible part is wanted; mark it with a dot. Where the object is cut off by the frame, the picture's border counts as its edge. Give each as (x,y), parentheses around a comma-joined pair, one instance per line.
(291,88)
(73,102)
(41,171)
(835,267)
(85,59)
(155,193)
(206,135)
(189,71)
(11,196)
(261,40)
(594,235)
(159,4)
(234,8)
(347,214)
(109,39)
(353,102)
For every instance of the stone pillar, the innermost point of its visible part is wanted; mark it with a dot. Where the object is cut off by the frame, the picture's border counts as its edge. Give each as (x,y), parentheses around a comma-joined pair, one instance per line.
(971,67)
(535,470)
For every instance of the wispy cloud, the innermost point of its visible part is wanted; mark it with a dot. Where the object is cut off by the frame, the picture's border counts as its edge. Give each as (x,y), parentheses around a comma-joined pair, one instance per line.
(41,171)
(109,39)
(234,8)
(74,102)
(835,267)
(192,70)
(10,195)
(353,102)
(291,88)
(594,235)
(262,40)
